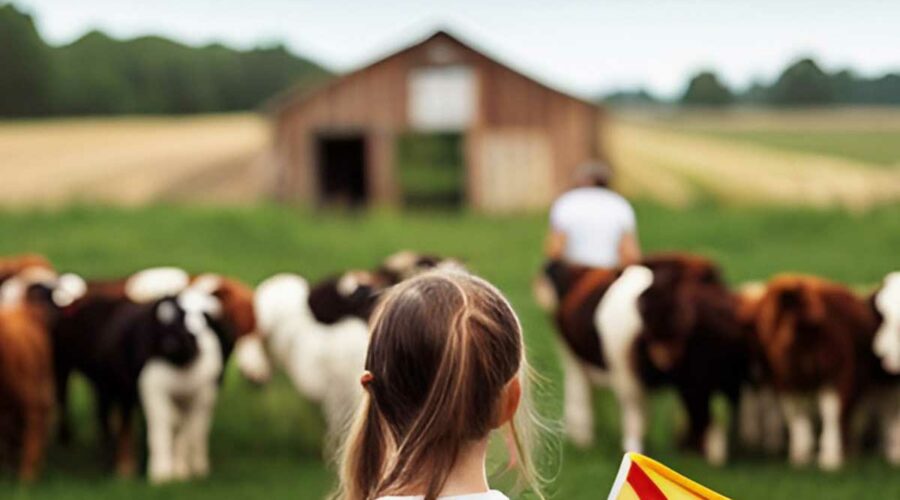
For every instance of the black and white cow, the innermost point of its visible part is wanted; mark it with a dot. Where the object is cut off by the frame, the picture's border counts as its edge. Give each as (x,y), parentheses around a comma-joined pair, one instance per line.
(319,334)
(886,346)
(670,321)
(110,339)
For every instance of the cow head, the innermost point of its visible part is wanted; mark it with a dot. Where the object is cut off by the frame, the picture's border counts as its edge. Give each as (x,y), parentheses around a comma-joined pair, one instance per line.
(353,293)
(12,266)
(279,302)
(42,291)
(680,298)
(886,303)
(170,337)
(235,298)
(405,264)
(792,310)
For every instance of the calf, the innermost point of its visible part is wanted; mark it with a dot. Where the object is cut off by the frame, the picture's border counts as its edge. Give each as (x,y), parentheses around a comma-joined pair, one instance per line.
(322,360)
(28,308)
(319,334)
(670,321)
(237,321)
(109,339)
(178,400)
(816,339)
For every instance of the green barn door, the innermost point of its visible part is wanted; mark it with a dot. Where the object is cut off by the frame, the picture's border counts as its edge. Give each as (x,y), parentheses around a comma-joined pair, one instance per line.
(431,170)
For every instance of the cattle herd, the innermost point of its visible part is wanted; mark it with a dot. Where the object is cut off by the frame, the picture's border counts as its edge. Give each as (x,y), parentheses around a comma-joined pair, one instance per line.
(797,355)
(159,341)
(793,357)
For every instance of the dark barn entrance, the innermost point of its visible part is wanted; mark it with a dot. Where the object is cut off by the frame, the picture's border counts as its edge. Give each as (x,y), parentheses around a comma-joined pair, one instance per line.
(341,168)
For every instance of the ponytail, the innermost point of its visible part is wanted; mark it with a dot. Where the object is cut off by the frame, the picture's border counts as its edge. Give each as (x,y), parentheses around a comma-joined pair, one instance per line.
(443,348)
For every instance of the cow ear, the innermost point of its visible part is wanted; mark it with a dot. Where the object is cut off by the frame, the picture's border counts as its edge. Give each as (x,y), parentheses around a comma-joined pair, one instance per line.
(39,294)
(348,285)
(815,306)
(873,305)
(166,312)
(666,277)
(362,292)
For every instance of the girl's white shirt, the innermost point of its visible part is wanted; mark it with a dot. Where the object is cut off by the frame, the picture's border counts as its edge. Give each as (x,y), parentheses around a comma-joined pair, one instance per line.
(487,495)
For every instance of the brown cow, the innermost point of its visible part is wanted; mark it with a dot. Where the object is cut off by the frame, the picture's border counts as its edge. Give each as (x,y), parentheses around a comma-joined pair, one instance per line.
(29,306)
(816,339)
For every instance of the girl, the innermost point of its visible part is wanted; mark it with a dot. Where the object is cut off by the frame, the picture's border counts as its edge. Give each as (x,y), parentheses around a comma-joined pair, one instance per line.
(444,368)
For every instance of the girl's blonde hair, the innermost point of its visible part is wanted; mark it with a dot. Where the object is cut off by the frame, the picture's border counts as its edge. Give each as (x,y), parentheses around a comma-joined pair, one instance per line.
(443,347)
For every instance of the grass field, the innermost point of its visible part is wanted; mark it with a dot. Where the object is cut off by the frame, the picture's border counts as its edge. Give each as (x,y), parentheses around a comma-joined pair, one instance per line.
(265,442)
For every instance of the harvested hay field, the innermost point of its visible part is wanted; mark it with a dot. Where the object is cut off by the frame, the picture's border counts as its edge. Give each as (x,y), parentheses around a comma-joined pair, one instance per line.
(868,134)
(681,159)
(131,161)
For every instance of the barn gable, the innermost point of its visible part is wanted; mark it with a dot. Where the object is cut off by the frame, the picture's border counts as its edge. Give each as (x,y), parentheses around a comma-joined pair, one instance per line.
(520,139)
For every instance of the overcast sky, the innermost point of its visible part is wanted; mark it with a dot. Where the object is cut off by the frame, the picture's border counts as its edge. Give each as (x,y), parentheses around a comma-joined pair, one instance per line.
(585,47)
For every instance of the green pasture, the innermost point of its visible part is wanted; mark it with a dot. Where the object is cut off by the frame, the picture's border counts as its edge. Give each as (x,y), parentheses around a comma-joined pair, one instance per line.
(266,441)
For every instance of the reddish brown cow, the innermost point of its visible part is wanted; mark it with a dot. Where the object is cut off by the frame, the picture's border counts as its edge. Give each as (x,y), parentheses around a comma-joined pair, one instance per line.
(26,383)
(816,338)
(29,306)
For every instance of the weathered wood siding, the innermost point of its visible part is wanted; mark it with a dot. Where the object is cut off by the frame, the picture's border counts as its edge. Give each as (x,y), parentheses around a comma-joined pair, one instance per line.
(516,117)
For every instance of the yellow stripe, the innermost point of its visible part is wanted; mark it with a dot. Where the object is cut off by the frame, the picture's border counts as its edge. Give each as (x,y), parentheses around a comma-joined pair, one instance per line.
(674,485)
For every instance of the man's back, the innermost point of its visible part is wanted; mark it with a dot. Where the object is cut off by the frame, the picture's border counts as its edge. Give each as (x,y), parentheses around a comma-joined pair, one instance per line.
(593,220)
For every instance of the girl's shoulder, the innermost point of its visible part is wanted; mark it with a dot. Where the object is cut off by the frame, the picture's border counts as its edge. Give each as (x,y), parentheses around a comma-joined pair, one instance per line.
(487,495)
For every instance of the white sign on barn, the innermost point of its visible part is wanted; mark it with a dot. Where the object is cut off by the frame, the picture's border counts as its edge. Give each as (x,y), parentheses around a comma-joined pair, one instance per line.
(442,98)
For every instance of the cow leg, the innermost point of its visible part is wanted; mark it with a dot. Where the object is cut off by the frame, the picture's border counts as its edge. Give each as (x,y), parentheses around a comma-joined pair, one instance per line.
(831,446)
(126,462)
(800,429)
(161,414)
(772,422)
(634,420)
(890,424)
(197,424)
(750,417)
(103,413)
(703,433)
(579,411)
(64,428)
(180,445)
(34,436)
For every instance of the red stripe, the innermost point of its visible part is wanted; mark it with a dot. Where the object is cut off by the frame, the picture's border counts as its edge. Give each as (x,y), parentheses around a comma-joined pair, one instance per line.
(645,488)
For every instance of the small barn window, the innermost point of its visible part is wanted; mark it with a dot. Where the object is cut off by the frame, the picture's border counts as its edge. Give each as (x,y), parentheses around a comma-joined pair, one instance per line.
(442,98)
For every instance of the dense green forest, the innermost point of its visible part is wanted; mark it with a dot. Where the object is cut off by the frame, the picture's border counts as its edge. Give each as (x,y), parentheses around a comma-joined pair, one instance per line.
(801,83)
(97,74)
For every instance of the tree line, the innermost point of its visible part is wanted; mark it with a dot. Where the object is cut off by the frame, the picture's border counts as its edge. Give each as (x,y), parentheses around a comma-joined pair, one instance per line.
(802,83)
(97,74)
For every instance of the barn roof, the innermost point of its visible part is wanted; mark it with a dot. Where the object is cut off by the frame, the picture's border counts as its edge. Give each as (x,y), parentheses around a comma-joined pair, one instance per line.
(296,95)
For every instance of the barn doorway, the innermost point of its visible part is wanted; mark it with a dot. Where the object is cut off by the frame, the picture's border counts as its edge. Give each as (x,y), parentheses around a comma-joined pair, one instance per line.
(341,165)
(431,169)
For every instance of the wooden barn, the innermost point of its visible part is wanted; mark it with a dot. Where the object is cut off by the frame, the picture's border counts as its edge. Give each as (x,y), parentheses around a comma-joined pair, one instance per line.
(438,119)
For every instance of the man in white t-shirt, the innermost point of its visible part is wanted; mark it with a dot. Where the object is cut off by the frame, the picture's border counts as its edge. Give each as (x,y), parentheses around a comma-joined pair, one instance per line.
(591,225)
